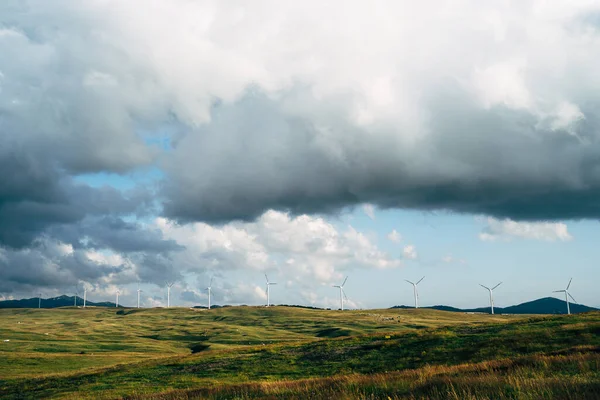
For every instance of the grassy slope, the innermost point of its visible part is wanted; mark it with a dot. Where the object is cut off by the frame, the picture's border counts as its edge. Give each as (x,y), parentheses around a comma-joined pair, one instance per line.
(50,341)
(249,344)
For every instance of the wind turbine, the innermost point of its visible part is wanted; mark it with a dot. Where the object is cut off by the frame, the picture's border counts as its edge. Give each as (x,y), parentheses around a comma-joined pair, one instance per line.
(138,292)
(491,295)
(84,296)
(567,295)
(209,288)
(169,285)
(40,301)
(117,302)
(268,290)
(342,293)
(415,290)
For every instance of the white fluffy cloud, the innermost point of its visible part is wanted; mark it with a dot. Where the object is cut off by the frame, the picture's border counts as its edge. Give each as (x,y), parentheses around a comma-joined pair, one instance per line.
(394,236)
(409,252)
(507,229)
(369,210)
(301,248)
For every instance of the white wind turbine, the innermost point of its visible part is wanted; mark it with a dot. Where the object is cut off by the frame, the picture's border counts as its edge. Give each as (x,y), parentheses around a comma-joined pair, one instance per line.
(209,288)
(169,285)
(342,293)
(415,290)
(567,295)
(138,293)
(268,290)
(117,302)
(491,295)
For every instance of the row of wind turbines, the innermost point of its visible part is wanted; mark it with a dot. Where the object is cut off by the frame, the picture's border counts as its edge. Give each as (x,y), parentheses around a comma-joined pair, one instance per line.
(491,292)
(340,287)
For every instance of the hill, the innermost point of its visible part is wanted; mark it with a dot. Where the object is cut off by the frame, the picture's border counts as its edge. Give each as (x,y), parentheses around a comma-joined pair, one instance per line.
(53,302)
(293,352)
(546,305)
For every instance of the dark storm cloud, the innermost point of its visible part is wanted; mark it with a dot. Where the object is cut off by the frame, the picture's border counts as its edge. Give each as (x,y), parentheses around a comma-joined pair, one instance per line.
(59,117)
(116,234)
(500,162)
(327,125)
(158,269)
(58,201)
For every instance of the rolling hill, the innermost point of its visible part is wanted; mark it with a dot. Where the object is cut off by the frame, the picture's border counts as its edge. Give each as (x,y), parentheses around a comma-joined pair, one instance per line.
(546,305)
(295,353)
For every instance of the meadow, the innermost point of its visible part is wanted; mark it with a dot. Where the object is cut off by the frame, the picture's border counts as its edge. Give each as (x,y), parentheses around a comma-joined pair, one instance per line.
(291,352)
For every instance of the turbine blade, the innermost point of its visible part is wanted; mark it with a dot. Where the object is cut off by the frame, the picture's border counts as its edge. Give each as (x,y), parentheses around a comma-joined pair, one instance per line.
(344,281)
(420,280)
(267,278)
(484,287)
(211,281)
(272,283)
(569,284)
(558,291)
(497,286)
(572,298)
(344,293)
(409,281)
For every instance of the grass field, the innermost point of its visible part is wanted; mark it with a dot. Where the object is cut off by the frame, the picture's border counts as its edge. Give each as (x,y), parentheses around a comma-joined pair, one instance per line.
(287,352)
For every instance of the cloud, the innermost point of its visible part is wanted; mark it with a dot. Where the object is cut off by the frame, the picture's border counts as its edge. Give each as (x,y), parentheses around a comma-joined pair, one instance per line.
(306,123)
(369,210)
(303,247)
(263,120)
(450,259)
(427,132)
(50,264)
(507,229)
(394,236)
(409,252)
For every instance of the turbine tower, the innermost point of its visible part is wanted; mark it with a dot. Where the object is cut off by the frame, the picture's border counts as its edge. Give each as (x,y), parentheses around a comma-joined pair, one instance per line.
(342,293)
(268,290)
(567,295)
(117,302)
(40,301)
(76,294)
(169,285)
(84,296)
(415,290)
(491,295)
(138,292)
(209,288)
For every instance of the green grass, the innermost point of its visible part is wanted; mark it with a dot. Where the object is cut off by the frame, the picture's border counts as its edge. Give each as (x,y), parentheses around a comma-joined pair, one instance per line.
(253,352)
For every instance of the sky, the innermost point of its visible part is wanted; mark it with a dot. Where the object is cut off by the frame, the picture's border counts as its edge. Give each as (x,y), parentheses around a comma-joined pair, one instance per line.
(155,141)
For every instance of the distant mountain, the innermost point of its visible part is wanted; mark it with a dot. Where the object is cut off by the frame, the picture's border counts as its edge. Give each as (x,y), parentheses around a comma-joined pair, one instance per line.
(547,305)
(54,302)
